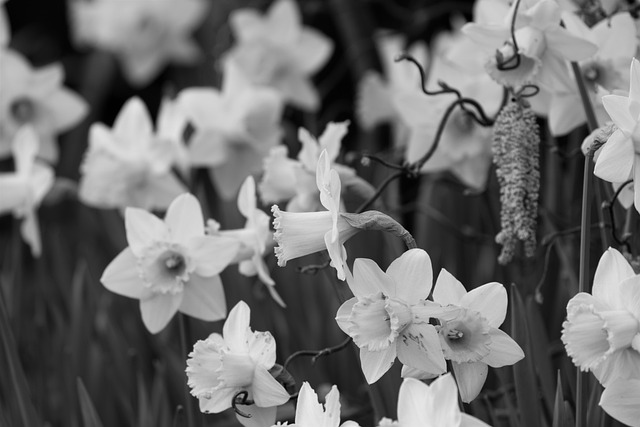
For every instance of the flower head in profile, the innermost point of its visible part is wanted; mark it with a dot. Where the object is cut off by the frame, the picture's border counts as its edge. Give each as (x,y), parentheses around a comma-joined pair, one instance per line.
(276,50)
(303,233)
(619,159)
(234,128)
(294,180)
(130,164)
(254,238)
(171,265)
(23,190)
(239,360)
(434,405)
(602,330)
(621,400)
(311,413)
(542,45)
(145,35)
(389,316)
(35,97)
(469,332)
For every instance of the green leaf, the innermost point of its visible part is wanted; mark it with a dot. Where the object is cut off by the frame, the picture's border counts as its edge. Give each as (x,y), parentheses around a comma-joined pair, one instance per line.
(562,415)
(89,415)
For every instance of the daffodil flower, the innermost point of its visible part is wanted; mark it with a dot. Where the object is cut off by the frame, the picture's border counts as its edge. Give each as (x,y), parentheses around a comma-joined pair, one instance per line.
(129,165)
(543,45)
(294,180)
(23,190)
(602,330)
(36,98)
(470,336)
(619,159)
(434,405)
(311,413)
(253,238)
(276,50)
(303,233)
(389,316)
(171,265)
(222,366)
(234,128)
(621,400)
(145,35)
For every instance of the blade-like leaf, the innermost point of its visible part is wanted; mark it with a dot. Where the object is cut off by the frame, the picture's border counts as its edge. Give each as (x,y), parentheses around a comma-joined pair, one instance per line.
(89,415)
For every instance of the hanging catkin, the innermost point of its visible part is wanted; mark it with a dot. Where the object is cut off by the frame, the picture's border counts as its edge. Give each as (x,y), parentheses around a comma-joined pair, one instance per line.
(515,146)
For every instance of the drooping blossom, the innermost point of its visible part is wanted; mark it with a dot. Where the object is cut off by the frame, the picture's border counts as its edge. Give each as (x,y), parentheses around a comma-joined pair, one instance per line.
(222,366)
(602,330)
(129,165)
(389,316)
(543,45)
(621,400)
(23,190)
(303,233)
(235,128)
(469,332)
(275,49)
(619,159)
(254,238)
(144,35)
(434,405)
(311,413)
(37,98)
(294,180)
(171,265)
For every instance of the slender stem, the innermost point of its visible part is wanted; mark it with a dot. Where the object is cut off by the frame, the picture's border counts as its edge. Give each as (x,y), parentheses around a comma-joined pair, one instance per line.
(585,232)
(379,191)
(188,400)
(316,354)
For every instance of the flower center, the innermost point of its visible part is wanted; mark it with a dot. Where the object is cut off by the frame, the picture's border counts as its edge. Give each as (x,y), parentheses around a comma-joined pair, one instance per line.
(23,110)
(164,268)
(466,337)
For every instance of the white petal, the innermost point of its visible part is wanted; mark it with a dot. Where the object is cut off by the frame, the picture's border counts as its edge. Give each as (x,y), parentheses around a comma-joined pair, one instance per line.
(236,327)
(312,50)
(260,417)
(634,88)
(621,400)
(630,296)
(504,350)
(203,298)
(308,410)
(262,349)
(212,254)
(470,378)
(122,277)
(445,402)
(184,218)
(419,347)
(247,197)
(568,46)
(284,21)
(368,279)
(448,289)
(344,313)
(416,404)
(612,270)
(616,159)
(134,122)
(412,274)
(618,108)
(143,229)
(158,310)
(376,363)
(267,391)
(490,300)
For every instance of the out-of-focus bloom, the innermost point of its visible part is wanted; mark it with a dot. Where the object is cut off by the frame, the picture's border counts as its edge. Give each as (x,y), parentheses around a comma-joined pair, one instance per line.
(222,366)
(294,180)
(171,265)
(434,405)
(303,233)
(621,400)
(465,146)
(5,30)
(253,238)
(374,101)
(23,190)
(36,98)
(145,35)
(619,159)
(543,45)
(602,330)
(470,336)
(389,316)
(129,165)
(276,50)
(311,413)
(516,148)
(234,128)
(170,126)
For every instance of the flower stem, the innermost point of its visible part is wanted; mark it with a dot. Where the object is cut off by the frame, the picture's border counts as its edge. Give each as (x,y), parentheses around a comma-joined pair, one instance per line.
(188,400)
